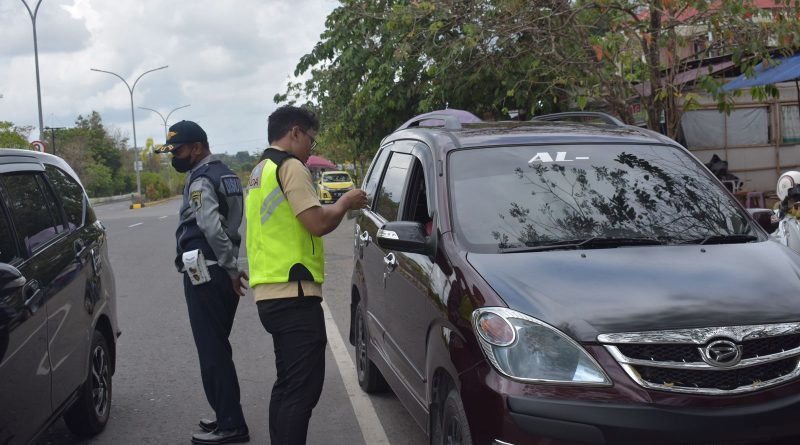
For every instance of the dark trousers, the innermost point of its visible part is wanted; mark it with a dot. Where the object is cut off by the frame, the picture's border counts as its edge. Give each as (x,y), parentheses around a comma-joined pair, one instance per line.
(212,306)
(297,326)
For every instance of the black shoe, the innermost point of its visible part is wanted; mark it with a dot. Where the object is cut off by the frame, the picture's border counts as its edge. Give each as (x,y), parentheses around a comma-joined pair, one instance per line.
(208,425)
(237,435)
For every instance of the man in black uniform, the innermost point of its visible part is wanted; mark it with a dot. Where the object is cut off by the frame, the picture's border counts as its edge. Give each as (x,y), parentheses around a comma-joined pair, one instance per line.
(208,248)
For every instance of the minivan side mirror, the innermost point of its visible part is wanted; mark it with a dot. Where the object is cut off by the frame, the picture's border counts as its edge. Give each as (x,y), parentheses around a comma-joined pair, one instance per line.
(10,277)
(764,219)
(405,236)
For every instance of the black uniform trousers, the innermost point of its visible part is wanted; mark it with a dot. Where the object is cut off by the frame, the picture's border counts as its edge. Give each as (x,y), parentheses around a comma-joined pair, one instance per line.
(212,307)
(297,326)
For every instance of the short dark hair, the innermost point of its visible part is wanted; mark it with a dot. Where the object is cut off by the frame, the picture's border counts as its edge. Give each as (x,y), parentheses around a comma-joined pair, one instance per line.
(284,118)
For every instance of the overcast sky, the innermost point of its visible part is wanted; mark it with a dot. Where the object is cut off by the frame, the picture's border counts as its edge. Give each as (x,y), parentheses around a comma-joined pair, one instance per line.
(227,59)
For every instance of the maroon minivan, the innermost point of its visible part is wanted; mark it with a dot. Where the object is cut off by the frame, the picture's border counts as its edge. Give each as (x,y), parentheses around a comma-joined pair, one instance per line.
(549,282)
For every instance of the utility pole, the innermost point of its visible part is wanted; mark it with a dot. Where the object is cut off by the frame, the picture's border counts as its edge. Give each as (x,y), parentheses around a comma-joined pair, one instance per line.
(33,15)
(53,135)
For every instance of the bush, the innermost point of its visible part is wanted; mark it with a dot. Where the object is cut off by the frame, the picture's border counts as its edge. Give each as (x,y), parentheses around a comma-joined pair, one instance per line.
(98,180)
(154,186)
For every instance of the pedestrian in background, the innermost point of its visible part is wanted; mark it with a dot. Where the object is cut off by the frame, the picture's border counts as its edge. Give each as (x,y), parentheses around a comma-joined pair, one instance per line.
(286,260)
(208,249)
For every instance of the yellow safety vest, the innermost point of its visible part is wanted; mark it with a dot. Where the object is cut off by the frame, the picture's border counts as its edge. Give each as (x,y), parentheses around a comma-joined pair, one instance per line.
(279,248)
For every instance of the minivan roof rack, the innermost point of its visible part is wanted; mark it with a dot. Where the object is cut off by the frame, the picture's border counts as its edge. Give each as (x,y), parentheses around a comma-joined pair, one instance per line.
(607,118)
(450,122)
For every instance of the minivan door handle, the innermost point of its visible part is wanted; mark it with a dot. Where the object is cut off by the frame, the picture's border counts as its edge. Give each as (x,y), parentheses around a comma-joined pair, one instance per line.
(365,238)
(79,246)
(33,296)
(390,261)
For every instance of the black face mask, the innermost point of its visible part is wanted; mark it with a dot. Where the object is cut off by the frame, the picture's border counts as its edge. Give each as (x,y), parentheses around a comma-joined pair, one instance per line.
(181,165)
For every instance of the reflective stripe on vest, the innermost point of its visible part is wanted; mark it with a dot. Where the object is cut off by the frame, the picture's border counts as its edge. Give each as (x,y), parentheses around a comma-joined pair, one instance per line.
(266,213)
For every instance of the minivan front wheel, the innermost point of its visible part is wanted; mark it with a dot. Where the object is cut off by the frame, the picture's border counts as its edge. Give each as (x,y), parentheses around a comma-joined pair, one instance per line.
(369,377)
(89,414)
(454,427)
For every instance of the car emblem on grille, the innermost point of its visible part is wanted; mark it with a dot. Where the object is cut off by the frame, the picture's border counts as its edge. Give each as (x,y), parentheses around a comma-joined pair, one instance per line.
(722,353)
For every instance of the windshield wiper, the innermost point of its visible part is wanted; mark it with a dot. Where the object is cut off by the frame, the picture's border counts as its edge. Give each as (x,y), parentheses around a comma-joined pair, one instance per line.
(722,239)
(589,243)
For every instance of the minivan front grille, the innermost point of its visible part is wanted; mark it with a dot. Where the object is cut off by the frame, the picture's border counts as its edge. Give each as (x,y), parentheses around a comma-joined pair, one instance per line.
(719,360)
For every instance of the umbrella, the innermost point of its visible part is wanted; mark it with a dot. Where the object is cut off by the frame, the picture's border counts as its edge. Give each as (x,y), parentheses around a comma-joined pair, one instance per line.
(319,162)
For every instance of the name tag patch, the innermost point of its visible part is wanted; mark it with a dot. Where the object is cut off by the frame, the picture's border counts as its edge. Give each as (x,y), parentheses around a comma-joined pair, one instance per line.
(196,198)
(232,185)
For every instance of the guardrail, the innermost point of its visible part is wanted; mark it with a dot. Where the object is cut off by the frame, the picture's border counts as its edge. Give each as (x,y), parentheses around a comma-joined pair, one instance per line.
(106,199)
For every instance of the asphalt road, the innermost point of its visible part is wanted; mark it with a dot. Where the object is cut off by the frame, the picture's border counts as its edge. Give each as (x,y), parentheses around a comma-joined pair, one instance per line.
(157,394)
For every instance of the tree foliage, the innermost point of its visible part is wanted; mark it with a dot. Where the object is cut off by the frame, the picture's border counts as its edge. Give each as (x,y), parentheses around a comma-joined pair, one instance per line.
(12,136)
(379,63)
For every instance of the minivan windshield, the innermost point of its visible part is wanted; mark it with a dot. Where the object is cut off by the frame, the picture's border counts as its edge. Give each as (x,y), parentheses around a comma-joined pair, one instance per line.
(336,177)
(510,199)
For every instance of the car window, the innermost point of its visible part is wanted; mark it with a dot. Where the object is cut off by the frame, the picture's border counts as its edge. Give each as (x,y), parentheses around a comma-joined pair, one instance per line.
(32,208)
(531,196)
(374,175)
(71,194)
(8,248)
(391,189)
(415,207)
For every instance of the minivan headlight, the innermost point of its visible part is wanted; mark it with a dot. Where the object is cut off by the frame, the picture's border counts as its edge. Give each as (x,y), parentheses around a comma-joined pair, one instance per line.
(524,348)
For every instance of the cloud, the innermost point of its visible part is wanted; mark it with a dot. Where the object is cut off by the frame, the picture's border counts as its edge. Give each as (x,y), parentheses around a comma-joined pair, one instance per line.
(227,59)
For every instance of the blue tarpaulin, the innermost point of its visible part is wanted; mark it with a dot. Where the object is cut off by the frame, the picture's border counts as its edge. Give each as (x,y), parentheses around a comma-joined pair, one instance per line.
(787,69)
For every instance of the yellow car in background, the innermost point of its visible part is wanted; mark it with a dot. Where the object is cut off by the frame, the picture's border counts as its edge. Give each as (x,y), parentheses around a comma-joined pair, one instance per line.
(331,185)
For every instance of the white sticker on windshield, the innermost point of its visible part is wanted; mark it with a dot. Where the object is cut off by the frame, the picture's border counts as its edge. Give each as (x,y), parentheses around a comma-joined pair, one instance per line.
(561,156)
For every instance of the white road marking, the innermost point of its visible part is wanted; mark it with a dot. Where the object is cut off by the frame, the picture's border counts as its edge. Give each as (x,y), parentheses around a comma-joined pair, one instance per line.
(368,421)
(134,225)
(162,217)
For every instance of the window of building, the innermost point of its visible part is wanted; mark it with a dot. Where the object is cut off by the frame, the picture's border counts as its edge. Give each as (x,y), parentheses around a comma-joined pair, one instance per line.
(791,124)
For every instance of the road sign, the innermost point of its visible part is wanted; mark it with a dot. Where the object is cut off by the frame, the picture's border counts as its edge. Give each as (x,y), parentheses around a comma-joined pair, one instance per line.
(137,166)
(38,146)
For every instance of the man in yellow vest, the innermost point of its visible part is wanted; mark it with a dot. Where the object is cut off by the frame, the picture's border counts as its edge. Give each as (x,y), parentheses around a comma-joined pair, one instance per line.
(286,259)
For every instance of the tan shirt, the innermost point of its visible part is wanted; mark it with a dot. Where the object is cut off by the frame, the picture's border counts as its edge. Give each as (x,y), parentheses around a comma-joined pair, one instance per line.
(298,186)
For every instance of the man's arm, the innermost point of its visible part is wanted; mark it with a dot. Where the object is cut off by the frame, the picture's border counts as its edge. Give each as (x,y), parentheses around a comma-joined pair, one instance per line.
(204,201)
(321,220)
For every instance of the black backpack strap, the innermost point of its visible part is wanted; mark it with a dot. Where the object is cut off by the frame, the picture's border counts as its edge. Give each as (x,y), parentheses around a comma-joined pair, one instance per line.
(278,157)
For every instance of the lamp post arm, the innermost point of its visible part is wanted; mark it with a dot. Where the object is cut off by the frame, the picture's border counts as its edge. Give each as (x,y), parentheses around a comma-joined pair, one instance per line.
(141,75)
(130,90)
(173,110)
(35,11)
(164,120)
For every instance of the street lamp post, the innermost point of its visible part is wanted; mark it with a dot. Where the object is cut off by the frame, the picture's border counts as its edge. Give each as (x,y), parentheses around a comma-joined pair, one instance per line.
(164,119)
(33,15)
(133,120)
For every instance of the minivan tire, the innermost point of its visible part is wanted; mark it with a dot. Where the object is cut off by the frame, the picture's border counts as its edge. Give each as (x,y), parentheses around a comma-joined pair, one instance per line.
(369,377)
(90,412)
(454,427)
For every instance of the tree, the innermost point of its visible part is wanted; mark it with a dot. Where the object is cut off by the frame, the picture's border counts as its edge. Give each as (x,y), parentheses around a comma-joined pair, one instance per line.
(104,147)
(12,136)
(359,89)
(379,63)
